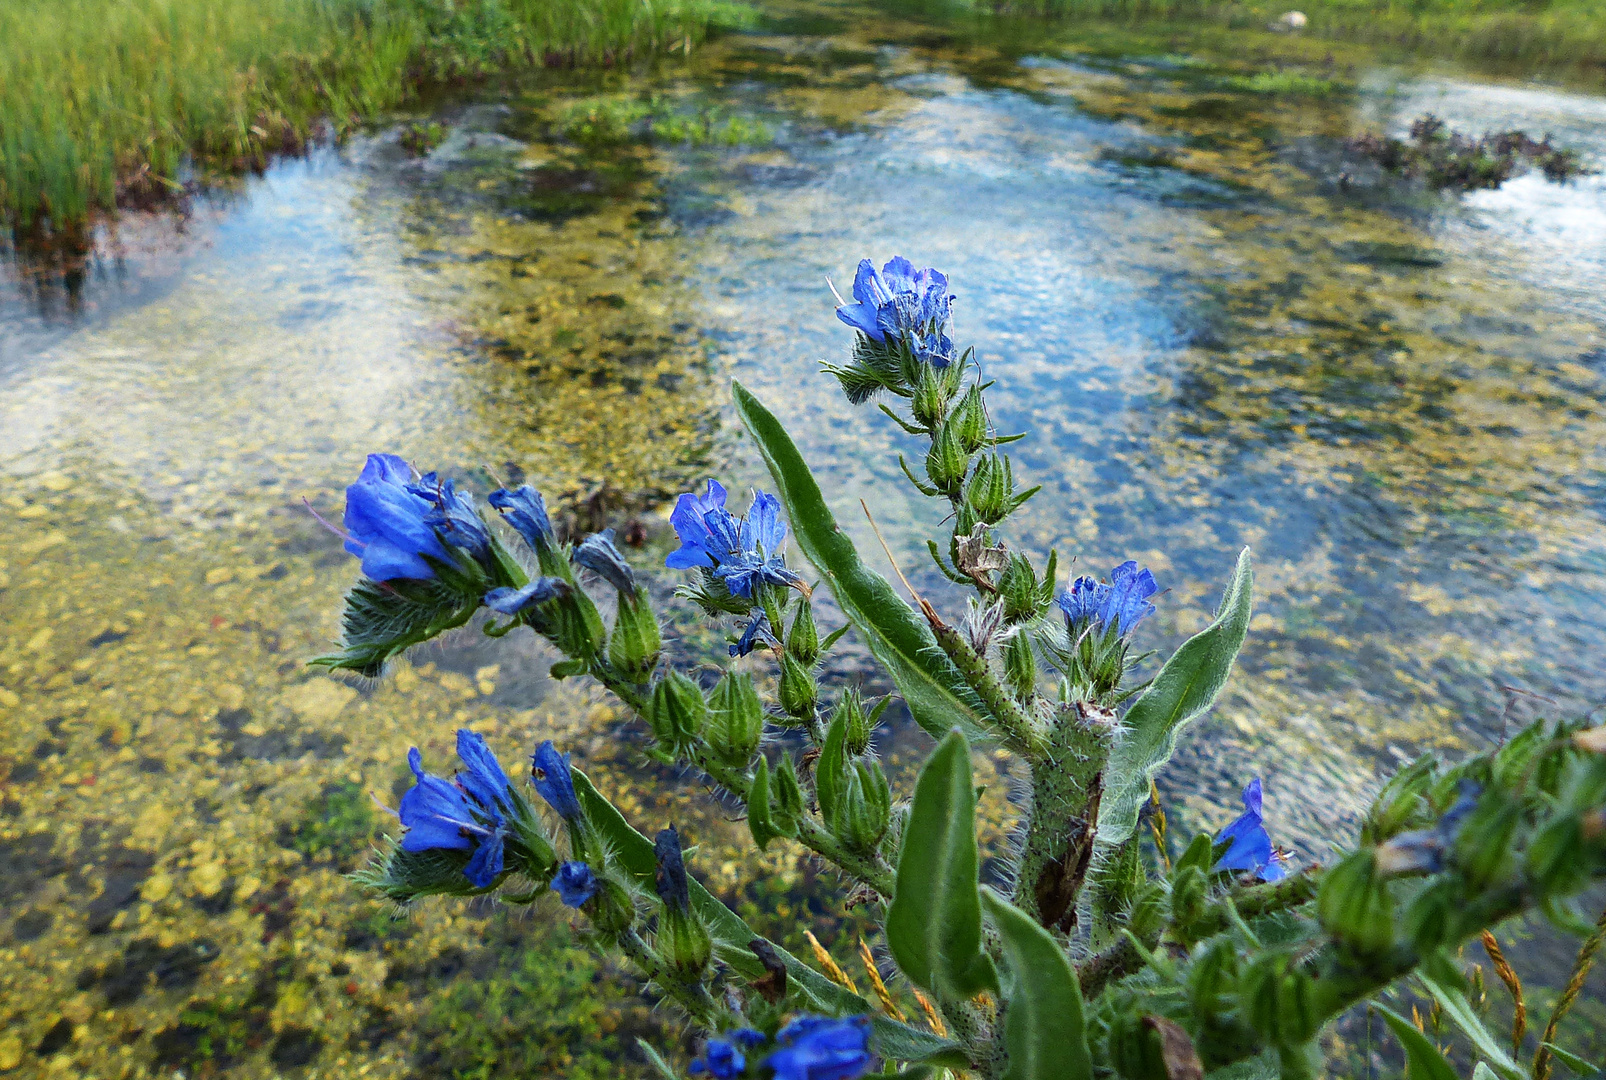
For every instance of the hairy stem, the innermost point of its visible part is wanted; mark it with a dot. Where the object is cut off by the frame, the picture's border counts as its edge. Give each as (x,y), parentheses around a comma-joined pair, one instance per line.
(1067,782)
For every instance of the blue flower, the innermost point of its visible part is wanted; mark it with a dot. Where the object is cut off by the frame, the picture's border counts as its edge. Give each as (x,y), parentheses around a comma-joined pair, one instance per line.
(598,554)
(721,1060)
(453,517)
(908,304)
(575,884)
(525,510)
(819,1048)
(1249,848)
(1121,604)
(549,770)
(513,601)
(742,552)
(388,523)
(463,814)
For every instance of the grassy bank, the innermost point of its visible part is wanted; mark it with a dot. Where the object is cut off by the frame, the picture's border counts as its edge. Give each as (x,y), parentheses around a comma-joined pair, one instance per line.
(115,102)
(1553,34)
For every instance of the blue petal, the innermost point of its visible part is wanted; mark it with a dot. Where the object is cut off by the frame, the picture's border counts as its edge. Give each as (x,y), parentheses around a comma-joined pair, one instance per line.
(599,555)
(525,510)
(868,288)
(862,317)
(550,774)
(433,811)
(764,528)
(575,884)
(509,601)
(483,868)
(690,522)
(484,781)
(899,274)
(385,469)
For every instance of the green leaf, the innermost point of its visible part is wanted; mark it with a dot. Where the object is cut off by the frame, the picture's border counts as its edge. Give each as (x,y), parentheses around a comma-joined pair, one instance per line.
(1262,1067)
(1459,1010)
(1481,1071)
(633,853)
(934,689)
(933,925)
(1186,686)
(1422,1059)
(897,1041)
(1043,1027)
(1571,1060)
(656,1060)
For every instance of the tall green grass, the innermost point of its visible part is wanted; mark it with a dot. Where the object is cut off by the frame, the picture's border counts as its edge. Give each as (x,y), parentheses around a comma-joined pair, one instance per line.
(114,101)
(1554,34)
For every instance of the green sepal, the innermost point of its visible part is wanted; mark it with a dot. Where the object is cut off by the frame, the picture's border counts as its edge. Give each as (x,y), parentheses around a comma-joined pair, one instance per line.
(759,821)
(829,769)
(1185,687)
(1354,904)
(1044,1030)
(386,618)
(933,924)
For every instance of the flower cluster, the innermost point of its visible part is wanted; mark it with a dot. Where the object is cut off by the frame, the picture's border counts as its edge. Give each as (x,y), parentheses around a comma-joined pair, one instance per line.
(467,813)
(820,1048)
(1116,607)
(723,1058)
(908,305)
(743,552)
(400,526)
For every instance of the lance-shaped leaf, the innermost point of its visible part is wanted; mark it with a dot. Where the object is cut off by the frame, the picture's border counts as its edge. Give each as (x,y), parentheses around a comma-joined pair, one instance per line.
(934,689)
(1043,1027)
(1422,1059)
(634,853)
(934,922)
(1462,1015)
(1186,686)
(897,1041)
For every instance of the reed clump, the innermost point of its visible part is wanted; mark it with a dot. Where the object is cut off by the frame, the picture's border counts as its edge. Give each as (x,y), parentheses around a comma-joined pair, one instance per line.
(122,102)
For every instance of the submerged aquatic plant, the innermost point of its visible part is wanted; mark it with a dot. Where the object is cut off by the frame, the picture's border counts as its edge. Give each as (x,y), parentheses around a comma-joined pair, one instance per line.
(1444,159)
(1096,954)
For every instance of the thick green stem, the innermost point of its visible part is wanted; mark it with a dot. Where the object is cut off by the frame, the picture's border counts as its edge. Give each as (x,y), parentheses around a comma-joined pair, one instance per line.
(1067,782)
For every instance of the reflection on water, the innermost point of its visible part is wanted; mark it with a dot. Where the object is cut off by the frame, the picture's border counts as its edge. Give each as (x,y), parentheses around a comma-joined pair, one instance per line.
(1396,400)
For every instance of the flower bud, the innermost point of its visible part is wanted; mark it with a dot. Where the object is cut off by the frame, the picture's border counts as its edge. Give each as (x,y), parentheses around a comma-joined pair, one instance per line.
(1020,664)
(803,639)
(856,724)
(1402,804)
(1354,904)
(798,692)
(1213,977)
(1189,890)
(947,462)
(683,941)
(1151,1048)
(735,719)
(634,645)
(1022,595)
(789,803)
(1557,859)
(1279,1001)
(761,818)
(1483,845)
(678,712)
(991,487)
(930,400)
(864,808)
(970,420)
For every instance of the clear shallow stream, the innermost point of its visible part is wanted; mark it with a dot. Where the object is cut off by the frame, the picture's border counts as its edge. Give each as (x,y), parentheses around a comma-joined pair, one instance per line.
(1397,400)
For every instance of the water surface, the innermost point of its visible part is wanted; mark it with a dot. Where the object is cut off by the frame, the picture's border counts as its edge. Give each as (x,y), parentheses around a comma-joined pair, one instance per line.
(1396,399)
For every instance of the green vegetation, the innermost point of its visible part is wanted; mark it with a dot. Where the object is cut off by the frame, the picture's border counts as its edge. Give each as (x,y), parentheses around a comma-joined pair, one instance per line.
(1282,83)
(615,119)
(1548,33)
(339,821)
(1443,159)
(121,102)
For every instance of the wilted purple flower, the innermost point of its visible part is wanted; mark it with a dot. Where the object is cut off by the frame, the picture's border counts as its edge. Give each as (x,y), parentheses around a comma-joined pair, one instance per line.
(673,888)
(549,770)
(743,552)
(509,601)
(1249,847)
(598,554)
(756,630)
(575,884)
(819,1048)
(463,814)
(1121,604)
(905,304)
(525,510)
(388,524)
(1423,850)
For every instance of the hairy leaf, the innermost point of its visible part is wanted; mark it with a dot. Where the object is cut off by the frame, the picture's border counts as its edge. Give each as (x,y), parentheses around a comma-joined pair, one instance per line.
(896,1041)
(1186,686)
(934,689)
(1461,1014)
(1043,1028)
(634,853)
(1422,1059)
(933,925)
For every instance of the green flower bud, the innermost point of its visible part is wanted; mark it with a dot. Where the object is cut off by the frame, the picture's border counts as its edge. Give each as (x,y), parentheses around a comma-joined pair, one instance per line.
(1020,664)
(1354,904)
(735,719)
(765,820)
(798,693)
(970,420)
(1557,859)
(1402,804)
(1190,889)
(1213,977)
(803,639)
(991,489)
(1279,1001)
(1430,920)
(1149,912)
(678,712)
(947,462)
(930,401)
(856,723)
(1022,595)
(864,809)
(1484,844)
(1151,1048)
(683,942)
(635,642)
(1199,853)
(789,802)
